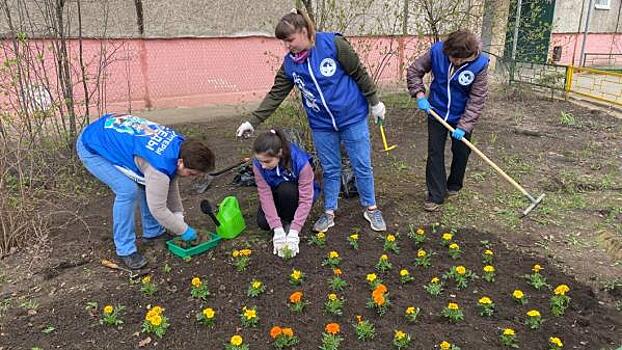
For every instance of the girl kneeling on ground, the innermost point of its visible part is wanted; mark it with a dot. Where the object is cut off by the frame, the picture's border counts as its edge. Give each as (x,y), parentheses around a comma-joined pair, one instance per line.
(286,187)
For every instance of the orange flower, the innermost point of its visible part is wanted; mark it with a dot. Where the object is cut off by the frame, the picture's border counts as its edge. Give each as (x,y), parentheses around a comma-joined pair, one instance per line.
(288,332)
(379,299)
(296,297)
(380,290)
(337,272)
(275,332)
(332,328)
(359,318)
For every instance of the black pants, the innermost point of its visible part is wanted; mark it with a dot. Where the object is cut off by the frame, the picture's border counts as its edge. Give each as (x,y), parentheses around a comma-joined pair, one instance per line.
(435,175)
(286,201)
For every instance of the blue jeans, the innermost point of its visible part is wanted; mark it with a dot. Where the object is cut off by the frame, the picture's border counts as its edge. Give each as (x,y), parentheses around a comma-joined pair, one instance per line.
(127,193)
(355,139)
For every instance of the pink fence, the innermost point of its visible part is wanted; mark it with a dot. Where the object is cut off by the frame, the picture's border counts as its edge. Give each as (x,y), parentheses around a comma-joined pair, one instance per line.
(597,43)
(190,72)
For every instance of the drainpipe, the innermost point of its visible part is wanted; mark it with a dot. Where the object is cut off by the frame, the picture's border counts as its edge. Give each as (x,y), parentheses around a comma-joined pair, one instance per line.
(587,26)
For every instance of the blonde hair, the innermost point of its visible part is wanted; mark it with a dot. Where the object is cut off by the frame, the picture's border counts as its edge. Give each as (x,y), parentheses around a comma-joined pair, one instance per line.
(294,22)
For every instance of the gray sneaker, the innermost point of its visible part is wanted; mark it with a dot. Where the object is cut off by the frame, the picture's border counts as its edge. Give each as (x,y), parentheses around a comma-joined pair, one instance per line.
(375,219)
(325,222)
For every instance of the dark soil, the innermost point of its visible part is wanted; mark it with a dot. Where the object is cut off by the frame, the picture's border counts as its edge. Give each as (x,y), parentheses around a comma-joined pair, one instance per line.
(70,275)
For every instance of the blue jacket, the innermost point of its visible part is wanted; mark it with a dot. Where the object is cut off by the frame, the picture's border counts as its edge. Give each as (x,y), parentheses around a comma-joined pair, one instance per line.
(278,175)
(120,137)
(330,96)
(449,95)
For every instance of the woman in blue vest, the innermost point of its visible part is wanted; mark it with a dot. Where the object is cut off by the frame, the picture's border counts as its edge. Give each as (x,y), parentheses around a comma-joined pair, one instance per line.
(140,161)
(286,187)
(457,93)
(337,93)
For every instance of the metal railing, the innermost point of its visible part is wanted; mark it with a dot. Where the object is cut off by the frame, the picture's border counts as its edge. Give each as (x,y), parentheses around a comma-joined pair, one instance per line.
(603,60)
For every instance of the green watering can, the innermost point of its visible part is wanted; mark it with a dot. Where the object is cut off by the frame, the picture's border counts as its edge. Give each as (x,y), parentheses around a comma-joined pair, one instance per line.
(230,218)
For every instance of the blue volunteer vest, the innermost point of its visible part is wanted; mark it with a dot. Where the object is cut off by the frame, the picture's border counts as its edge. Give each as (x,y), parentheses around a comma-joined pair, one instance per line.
(278,175)
(120,137)
(331,98)
(449,95)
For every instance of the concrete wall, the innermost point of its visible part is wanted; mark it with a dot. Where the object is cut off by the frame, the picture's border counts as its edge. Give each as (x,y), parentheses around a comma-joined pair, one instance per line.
(568,16)
(602,43)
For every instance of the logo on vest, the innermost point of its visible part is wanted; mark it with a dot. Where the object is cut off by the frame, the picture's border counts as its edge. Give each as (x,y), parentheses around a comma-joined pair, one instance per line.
(328,67)
(466,78)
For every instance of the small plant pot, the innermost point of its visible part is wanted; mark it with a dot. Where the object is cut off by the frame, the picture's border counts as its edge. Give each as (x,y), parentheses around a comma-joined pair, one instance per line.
(205,242)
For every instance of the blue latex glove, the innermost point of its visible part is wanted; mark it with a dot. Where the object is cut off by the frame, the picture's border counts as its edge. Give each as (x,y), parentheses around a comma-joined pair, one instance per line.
(423,104)
(458,134)
(189,235)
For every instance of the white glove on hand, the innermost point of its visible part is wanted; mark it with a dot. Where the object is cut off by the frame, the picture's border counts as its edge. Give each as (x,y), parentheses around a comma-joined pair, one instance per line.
(293,241)
(378,111)
(180,215)
(279,240)
(245,128)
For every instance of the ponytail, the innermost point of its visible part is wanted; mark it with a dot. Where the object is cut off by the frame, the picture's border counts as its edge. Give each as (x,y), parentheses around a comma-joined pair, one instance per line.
(294,22)
(271,143)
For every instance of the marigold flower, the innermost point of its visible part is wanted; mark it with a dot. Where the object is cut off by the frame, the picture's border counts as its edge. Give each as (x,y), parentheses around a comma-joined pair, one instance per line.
(445,345)
(337,272)
(556,341)
(420,231)
(156,320)
(381,289)
(533,313)
(275,332)
(295,297)
(447,236)
(518,294)
(509,332)
(246,252)
(196,282)
(384,257)
(404,273)
(209,313)
(379,299)
(296,274)
(485,301)
(354,236)
(320,235)
(235,253)
(489,268)
(488,252)
(536,268)
(250,313)
(453,306)
(461,270)
(333,255)
(562,289)
(454,246)
(146,279)
(359,318)
(332,328)
(332,296)
(371,277)
(399,335)
(236,340)
(391,238)
(156,310)
(256,284)
(435,280)
(108,309)
(288,332)
(421,253)
(410,310)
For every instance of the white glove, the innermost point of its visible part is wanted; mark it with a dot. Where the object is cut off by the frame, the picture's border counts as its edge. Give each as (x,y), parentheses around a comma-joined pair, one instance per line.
(378,111)
(279,240)
(180,215)
(245,128)
(293,241)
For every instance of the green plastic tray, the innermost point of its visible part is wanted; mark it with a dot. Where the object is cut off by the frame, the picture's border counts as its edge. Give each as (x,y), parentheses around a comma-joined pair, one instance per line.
(198,249)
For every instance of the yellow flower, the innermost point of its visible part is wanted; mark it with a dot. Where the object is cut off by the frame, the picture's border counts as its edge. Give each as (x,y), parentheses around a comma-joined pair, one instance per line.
(536,268)
(399,335)
(533,313)
(445,345)
(410,310)
(156,320)
(209,313)
(518,294)
(146,279)
(236,340)
(420,231)
(390,238)
(421,253)
(320,235)
(371,277)
(354,236)
(453,306)
(461,270)
(384,257)
(488,252)
(256,284)
(556,341)
(235,253)
(196,282)
(404,273)
(332,297)
(249,314)
(108,309)
(485,301)
(246,252)
(562,289)
(447,236)
(435,280)
(333,255)
(296,274)
(454,246)
(489,268)
(509,332)
(156,310)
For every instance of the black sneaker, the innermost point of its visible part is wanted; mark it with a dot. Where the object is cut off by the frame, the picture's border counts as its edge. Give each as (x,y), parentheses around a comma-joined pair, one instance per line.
(165,236)
(134,261)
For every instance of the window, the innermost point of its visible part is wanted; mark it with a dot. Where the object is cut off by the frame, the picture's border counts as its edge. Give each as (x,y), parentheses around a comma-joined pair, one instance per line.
(602,4)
